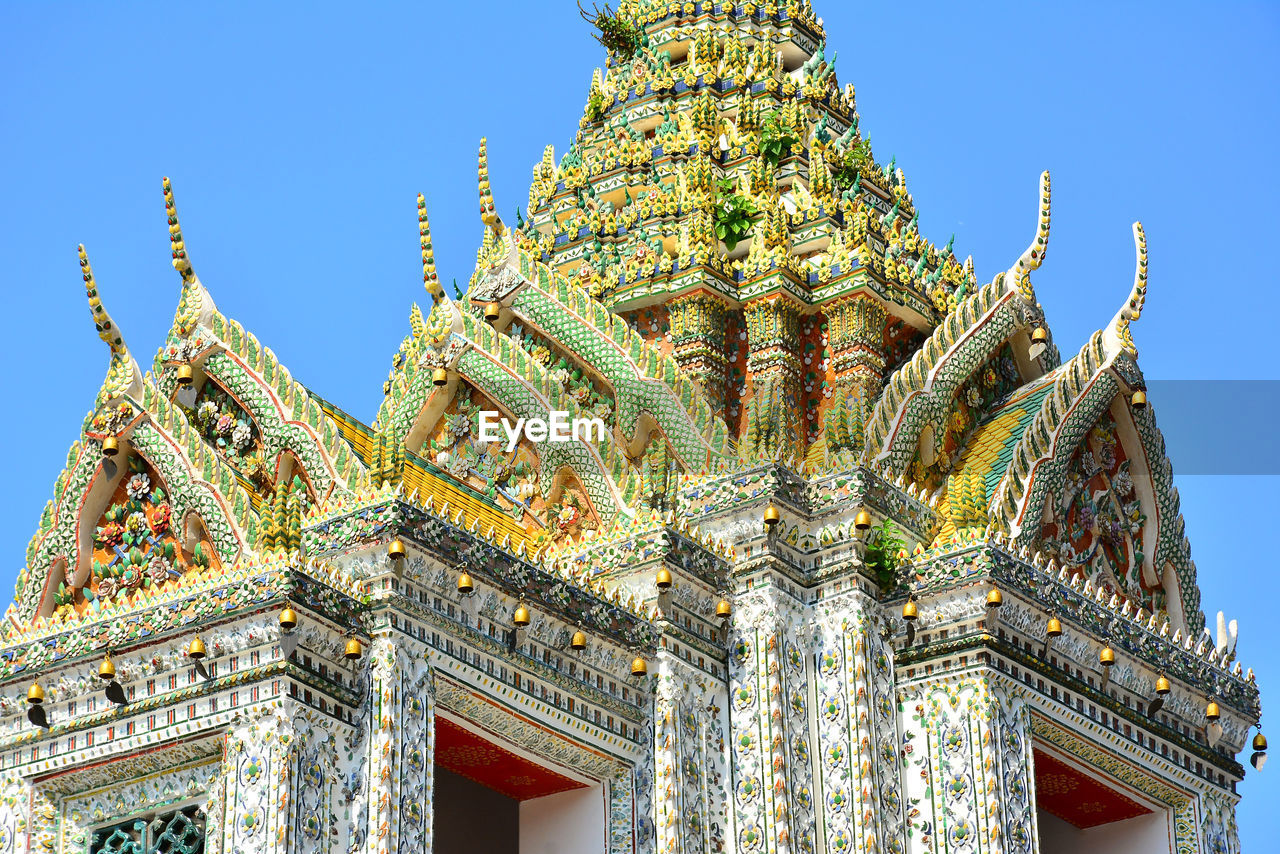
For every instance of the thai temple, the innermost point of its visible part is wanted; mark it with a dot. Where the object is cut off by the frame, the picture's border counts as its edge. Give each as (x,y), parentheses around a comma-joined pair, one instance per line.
(861,560)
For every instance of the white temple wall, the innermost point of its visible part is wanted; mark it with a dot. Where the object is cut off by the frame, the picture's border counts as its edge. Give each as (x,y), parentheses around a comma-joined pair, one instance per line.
(1145,834)
(564,823)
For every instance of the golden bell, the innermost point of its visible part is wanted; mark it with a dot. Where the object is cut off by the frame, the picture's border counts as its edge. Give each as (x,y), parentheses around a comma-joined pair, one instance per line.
(110,446)
(863,520)
(1054,628)
(723,608)
(1211,711)
(491,311)
(35,694)
(1039,335)
(1162,685)
(107,669)
(521,616)
(664,579)
(1139,399)
(639,666)
(185,375)
(465,584)
(396,550)
(579,641)
(196,650)
(772,516)
(288,618)
(1259,742)
(1107,657)
(353,650)
(910,611)
(994,598)
(439,377)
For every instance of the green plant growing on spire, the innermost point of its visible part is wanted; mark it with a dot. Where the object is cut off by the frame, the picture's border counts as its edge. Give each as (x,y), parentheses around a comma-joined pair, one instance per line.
(855,161)
(733,215)
(616,32)
(776,137)
(881,555)
(595,106)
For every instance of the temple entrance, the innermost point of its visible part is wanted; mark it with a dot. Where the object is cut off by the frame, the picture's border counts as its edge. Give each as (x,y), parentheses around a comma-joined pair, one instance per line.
(488,798)
(1078,811)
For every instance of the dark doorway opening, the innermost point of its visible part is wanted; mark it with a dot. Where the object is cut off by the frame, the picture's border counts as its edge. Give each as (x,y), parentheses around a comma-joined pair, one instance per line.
(489,798)
(471,818)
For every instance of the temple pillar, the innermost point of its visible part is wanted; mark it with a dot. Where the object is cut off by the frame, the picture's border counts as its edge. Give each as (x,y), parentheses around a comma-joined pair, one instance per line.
(691,776)
(401,749)
(13,796)
(966,753)
(1219,832)
(28,818)
(698,326)
(769,686)
(259,772)
(855,334)
(856,728)
(775,418)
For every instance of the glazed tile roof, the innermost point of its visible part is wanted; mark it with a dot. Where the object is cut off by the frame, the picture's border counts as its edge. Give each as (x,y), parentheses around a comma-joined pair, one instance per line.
(991,449)
(422,477)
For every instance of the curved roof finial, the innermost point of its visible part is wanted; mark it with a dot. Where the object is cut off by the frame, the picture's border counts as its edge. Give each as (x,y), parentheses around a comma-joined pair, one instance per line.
(1033,257)
(181,262)
(1118,334)
(123,376)
(430,279)
(107,330)
(196,305)
(488,213)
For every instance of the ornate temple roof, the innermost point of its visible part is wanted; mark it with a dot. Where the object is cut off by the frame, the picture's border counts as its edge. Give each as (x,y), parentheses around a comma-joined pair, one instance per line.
(721,270)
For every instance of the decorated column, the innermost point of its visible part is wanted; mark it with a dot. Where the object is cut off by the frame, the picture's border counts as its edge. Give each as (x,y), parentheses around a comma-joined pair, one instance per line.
(857,733)
(775,420)
(401,749)
(773,798)
(855,330)
(698,326)
(259,770)
(966,756)
(690,771)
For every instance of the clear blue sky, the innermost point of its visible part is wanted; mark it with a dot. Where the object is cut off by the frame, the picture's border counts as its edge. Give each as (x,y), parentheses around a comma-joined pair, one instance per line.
(297,138)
